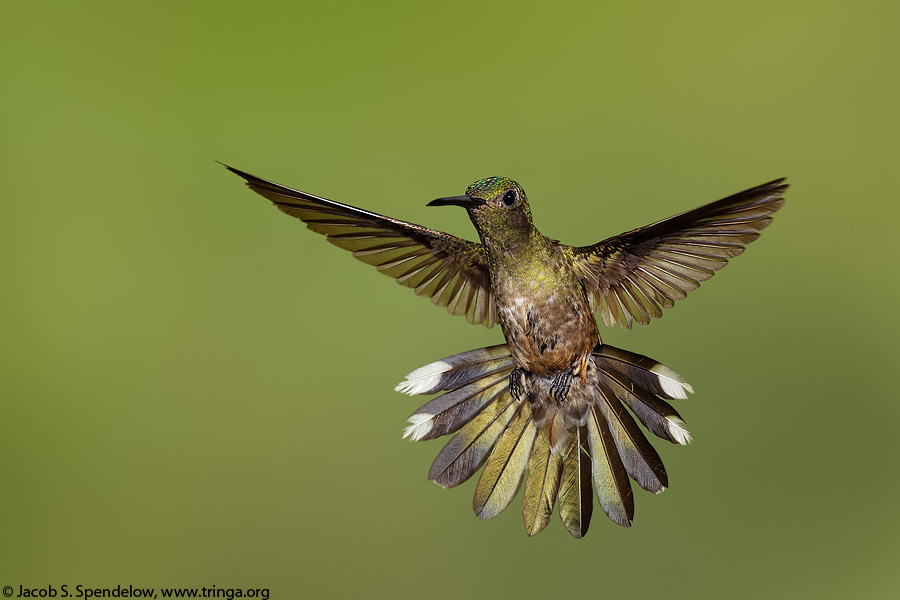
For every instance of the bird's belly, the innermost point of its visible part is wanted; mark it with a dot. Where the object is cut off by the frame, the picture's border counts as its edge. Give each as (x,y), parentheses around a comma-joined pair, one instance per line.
(549,335)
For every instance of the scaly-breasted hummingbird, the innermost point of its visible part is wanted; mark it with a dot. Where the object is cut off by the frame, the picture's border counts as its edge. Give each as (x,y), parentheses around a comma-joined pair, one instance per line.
(552,400)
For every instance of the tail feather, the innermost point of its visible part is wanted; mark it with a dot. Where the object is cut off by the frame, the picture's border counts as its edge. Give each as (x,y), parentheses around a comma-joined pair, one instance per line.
(560,432)
(643,371)
(610,478)
(641,460)
(455,371)
(469,448)
(503,473)
(542,484)
(585,444)
(576,503)
(448,412)
(656,414)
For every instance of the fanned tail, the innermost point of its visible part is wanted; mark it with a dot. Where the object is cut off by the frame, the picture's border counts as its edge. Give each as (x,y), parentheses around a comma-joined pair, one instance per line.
(565,451)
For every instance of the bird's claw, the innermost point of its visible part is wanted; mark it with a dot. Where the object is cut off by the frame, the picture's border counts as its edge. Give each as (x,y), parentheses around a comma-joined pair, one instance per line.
(517,383)
(559,387)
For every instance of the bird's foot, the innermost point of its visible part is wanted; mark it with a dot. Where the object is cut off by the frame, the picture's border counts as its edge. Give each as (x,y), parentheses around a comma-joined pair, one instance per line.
(559,387)
(517,383)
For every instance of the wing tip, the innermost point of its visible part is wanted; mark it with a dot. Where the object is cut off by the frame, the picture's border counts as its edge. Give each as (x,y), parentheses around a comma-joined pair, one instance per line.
(775,189)
(236,171)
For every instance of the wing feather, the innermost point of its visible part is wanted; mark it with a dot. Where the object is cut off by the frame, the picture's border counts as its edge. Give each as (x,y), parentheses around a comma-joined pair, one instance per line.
(426,260)
(632,276)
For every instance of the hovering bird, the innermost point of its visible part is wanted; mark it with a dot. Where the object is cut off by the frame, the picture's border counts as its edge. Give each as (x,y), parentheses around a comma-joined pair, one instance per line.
(552,400)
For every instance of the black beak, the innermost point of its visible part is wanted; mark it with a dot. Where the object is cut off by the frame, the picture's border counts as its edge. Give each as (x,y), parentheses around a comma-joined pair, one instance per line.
(464,201)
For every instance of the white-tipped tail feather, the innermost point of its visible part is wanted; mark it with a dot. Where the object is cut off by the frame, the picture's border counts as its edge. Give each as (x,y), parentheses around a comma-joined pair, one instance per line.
(673,383)
(424,378)
(678,430)
(453,372)
(421,425)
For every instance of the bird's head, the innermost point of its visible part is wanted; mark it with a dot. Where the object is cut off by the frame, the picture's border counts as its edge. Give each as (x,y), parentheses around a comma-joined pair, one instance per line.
(498,208)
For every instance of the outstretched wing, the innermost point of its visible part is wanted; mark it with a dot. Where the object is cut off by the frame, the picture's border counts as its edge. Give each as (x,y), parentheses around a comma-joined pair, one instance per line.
(451,271)
(630,276)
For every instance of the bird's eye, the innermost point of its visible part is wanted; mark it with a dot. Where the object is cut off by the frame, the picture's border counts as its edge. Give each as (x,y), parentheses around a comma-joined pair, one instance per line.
(509,198)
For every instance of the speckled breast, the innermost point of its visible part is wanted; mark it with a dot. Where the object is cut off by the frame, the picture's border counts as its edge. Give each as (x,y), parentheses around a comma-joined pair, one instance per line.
(548,327)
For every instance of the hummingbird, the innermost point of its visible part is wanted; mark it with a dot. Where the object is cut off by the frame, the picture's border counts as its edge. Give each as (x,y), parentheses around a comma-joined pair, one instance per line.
(554,405)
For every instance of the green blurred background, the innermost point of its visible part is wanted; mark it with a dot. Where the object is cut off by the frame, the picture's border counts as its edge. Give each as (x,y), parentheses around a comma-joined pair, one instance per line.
(196,390)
